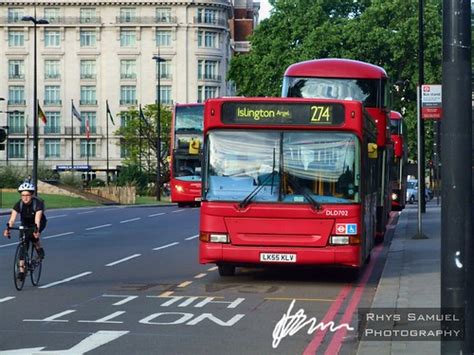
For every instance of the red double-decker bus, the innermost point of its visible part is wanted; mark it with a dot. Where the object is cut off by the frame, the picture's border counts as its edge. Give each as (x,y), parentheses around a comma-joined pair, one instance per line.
(400,160)
(351,80)
(287,181)
(186,145)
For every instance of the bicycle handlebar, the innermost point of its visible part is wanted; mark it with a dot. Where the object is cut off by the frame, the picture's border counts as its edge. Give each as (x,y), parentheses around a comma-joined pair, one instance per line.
(24,228)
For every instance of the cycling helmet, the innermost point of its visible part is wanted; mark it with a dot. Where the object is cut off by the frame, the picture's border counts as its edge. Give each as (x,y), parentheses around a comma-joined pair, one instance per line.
(26,186)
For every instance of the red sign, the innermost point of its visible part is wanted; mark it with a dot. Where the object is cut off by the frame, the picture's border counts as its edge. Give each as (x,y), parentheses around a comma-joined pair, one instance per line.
(434,113)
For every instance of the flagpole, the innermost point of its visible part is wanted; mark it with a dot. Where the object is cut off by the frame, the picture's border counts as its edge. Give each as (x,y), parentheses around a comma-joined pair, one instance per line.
(107,138)
(27,142)
(140,139)
(72,137)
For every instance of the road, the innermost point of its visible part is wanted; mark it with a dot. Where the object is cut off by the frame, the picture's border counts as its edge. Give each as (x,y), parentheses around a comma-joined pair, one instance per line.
(126,280)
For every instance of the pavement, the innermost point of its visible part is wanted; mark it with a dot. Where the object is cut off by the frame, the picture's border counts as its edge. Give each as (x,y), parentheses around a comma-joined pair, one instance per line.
(411,277)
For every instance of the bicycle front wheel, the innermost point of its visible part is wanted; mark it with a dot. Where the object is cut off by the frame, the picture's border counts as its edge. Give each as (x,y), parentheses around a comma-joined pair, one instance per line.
(35,266)
(20,256)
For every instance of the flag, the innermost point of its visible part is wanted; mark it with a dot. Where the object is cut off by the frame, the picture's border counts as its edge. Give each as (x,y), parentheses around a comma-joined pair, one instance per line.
(109,113)
(88,129)
(142,116)
(76,113)
(41,114)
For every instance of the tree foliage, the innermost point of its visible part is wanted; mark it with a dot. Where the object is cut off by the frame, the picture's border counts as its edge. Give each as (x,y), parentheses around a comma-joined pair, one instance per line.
(139,140)
(381,32)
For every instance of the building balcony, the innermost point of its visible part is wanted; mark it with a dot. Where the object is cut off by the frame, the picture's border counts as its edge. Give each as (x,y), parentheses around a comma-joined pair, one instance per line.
(220,22)
(15,130)
(128,76)
(60,20)
(88,76)
(52,130)
(88,102)
(53,102)
(16,76)
(92,130)
(210,77)
(17,102)
(168,76)
(128,102)
(52,76)
(146,20)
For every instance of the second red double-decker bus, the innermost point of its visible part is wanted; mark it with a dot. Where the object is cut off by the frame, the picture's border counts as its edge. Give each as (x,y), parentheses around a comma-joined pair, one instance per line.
(186,145)
(287,181)
(400,159)
(347,79)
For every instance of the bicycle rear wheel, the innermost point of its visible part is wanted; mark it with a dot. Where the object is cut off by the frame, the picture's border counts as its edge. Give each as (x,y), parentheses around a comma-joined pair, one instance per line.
(35,266)
(20,254)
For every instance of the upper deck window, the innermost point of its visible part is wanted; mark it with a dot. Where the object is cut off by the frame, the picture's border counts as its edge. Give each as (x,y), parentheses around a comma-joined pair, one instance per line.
(189,118)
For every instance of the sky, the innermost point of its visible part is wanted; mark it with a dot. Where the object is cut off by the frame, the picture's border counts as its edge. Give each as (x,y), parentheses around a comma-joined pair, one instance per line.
(264,9)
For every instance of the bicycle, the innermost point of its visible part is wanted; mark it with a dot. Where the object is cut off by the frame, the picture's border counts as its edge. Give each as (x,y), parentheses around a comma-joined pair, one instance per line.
(32,263)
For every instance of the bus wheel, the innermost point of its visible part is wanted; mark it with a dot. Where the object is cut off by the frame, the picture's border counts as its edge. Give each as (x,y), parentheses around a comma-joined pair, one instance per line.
(226,270)
(181,204)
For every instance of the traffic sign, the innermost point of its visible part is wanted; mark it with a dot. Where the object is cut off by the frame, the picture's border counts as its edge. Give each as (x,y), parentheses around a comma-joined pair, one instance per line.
(431,102)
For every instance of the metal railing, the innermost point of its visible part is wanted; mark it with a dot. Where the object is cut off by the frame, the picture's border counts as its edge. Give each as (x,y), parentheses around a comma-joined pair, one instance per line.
(146,19)
(52,130)
(60,20)
(213,22)
(17,102)
(52,102)
(128,76)
(88,76)
(128,102)
(211,77)
(87,102)
(16,76)
(52,76)
(165,76)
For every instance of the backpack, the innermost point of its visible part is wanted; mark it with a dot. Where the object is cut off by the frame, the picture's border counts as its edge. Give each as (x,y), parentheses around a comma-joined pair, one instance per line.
(43,216)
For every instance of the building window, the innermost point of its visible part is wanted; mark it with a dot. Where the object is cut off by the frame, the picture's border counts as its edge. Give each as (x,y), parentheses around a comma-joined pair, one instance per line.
(88,70)
(165,69)
(52,38)
(128,95)
(92,117)
(16,148)
(87,15)
(92,147)
(14,14)
(16,123)
(207,92)
(128,38)
(128,69)
(163,15)
(52,95)
(208,69)
(125,118)
(16,95)
(53,123)
(52,148)
(16,38)
(207,16)
(163,38)
(88,38)
(124,152)
(16,69)
(127,14)
(165,94)
(208,39)
(88,95)
(51,14)
(51,69)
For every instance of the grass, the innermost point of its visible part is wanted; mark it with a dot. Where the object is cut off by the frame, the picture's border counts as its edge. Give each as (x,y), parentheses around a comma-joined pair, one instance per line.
(151,200)
(8,199)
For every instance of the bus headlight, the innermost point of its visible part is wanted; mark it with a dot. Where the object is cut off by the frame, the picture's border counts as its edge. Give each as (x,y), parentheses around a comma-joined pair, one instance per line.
(179,188)
(214,238)
(339,240)
(394,196)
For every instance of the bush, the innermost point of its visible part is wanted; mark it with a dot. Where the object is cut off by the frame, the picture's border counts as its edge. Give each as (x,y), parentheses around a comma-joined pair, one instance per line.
(131,175)
(71,179)
(97,183)
(11,177)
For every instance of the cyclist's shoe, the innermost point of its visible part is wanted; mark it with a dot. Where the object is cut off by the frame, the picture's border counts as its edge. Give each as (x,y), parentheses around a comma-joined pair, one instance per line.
(41,253)
(21,276)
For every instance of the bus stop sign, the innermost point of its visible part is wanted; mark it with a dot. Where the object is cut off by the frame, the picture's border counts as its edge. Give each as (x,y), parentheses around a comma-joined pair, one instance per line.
(431,100)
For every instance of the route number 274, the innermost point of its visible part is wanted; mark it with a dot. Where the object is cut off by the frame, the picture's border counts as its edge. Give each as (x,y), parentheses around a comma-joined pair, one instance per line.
(321,114)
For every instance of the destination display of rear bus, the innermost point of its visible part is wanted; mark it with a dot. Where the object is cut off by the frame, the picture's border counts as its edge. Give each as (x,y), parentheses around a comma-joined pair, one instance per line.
(287,181)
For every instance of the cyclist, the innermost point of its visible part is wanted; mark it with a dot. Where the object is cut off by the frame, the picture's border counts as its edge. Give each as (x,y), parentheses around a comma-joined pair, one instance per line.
(31,211)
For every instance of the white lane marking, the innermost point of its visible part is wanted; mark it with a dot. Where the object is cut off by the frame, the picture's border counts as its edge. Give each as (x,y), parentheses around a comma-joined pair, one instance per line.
(214,268)
(66,280)
(200,276)
(53,318)
(5,299)
(156,214)
(184,284)
(166,246)
(124,259)
(177,211)
(7,245)
(193,237)
(86,212)
(106,319)
(119,303)
(130,220)
(97,227)
(58,235)
(57,216)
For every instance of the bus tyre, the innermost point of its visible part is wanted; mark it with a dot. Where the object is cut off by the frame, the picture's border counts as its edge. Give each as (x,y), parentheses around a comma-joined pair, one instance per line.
(181,204)
(226,270)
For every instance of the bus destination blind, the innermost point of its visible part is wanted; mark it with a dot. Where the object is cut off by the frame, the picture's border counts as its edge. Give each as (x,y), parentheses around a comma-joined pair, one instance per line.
(320,114)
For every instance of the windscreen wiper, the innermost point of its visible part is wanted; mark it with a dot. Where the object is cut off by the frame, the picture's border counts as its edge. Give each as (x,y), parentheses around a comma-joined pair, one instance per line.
(304,191)
(246,201)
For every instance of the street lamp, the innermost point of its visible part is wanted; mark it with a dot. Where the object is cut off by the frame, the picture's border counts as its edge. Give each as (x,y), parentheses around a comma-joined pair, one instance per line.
(158,60)
(35,99)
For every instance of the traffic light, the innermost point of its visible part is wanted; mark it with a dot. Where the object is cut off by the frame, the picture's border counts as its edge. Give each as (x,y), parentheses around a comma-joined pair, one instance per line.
(3,135)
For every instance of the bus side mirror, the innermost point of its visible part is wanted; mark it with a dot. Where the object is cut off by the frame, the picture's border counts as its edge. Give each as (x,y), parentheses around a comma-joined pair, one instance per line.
(372,150)
(194,145)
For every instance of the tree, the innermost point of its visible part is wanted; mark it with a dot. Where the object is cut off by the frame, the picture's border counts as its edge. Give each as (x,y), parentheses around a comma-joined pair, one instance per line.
(381,32)
(138,139)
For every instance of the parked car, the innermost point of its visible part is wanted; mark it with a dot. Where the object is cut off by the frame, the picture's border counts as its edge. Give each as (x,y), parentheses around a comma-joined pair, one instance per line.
(412,192)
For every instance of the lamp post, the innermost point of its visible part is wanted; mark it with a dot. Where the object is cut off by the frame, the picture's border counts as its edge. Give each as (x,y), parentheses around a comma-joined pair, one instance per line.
(35,99)
(6,128)
(158,60)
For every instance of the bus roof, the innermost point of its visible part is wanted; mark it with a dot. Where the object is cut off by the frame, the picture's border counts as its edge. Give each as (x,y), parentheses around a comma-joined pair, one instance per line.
(395,115)
(336,68)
